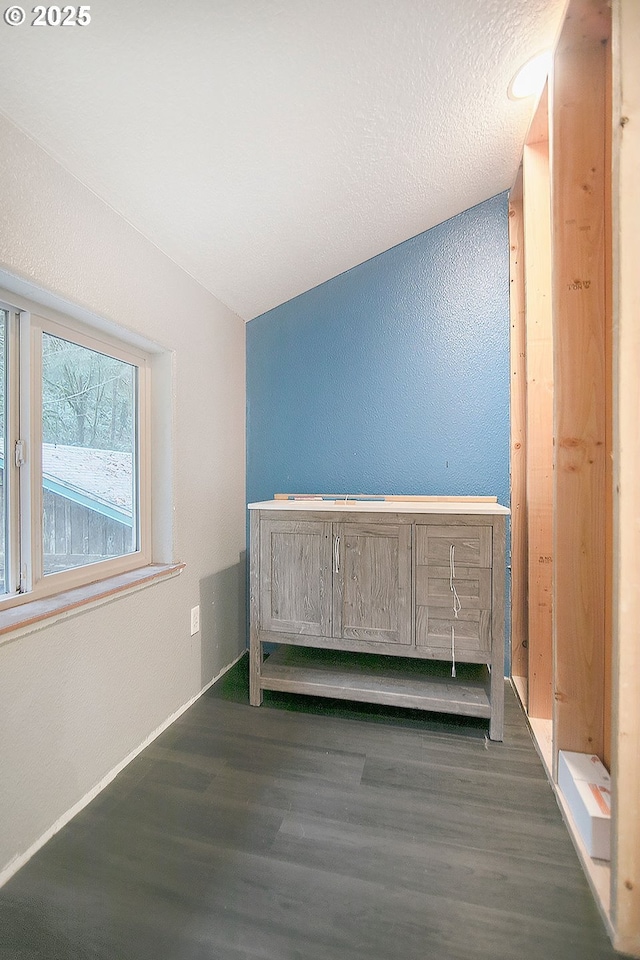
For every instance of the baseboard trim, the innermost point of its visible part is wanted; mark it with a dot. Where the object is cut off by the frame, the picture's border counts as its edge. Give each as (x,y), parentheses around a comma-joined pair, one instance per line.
(19,861)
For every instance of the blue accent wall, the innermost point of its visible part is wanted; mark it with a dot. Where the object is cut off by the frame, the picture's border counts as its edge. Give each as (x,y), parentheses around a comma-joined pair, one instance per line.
(394,376)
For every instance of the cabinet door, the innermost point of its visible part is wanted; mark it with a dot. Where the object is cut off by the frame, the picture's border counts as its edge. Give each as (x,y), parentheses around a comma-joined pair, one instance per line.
(295,574)
(453,591)
(372,582)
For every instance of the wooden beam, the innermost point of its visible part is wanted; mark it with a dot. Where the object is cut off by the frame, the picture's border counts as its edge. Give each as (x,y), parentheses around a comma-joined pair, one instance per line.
(539,429)
(578,178)
(519,572)
(625,867)
(539,129)
(608,349)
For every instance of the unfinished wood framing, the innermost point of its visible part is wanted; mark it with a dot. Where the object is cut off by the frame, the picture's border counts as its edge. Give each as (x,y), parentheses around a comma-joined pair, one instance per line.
(594,160)
(625,866)
(608,346)
(579,313)
(539,361)
(519,577)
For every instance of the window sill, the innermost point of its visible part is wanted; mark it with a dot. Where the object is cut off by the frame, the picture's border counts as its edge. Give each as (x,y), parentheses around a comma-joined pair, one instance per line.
(33,615)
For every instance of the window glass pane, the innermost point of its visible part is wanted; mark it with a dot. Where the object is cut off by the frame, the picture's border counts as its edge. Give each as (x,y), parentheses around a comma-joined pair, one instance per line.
(89,469)
(3,444)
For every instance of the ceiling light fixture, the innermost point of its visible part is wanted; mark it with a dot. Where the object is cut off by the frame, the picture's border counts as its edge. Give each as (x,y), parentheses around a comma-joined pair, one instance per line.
(531,77)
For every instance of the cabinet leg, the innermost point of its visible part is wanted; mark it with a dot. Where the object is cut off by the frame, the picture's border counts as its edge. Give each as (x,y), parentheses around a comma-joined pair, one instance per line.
(496,731)
(255,665)
(496,724)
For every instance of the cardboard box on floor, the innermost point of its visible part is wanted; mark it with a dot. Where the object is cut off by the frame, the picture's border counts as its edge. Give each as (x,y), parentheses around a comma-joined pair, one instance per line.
(586,787)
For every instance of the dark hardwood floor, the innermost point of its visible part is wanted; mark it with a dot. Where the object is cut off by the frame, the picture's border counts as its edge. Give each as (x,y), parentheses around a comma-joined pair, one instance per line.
(316,830)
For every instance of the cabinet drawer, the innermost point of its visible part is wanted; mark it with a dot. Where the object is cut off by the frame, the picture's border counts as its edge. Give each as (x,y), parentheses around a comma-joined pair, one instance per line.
(472,544)
(471,638)
(473,587)
(453,623)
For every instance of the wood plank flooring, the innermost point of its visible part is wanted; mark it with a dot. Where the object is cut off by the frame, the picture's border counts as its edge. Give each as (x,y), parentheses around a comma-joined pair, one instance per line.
(309,829)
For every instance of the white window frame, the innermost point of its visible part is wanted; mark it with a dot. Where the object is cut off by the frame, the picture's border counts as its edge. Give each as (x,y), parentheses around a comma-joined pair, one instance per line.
(23,485)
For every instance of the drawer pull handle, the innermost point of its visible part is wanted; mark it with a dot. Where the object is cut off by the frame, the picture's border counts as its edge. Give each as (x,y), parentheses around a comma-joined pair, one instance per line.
(453,651)
(336,555)
(457,606)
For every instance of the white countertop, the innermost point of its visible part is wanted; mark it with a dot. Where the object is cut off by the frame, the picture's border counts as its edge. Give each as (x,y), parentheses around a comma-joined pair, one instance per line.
(385,506)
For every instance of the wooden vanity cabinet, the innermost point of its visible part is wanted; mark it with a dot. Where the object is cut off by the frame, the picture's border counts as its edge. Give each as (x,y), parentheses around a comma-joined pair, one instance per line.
(380,606)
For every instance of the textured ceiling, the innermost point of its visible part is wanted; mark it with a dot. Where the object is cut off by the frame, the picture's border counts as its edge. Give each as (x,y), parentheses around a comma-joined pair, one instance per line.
(268,145)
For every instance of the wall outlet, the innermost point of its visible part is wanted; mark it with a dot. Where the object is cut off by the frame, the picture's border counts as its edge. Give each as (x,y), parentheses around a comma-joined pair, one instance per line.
(195,619)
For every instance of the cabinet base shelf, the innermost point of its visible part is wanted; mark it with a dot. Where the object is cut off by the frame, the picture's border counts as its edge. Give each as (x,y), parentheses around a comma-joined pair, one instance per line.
(392,681)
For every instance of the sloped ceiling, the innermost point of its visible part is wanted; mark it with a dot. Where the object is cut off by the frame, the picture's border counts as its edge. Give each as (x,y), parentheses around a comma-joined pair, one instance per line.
(269,145)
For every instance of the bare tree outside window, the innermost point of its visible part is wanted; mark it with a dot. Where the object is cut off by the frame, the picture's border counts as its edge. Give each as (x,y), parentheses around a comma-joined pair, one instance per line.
(87,397)
(88,453)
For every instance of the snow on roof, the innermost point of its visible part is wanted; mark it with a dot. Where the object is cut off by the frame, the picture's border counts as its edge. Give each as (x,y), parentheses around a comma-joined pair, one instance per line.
(101,479)
(104,475)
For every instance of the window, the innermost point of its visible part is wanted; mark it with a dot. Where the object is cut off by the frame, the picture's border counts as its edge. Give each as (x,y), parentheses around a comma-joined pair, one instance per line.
(4,316)
(74,455)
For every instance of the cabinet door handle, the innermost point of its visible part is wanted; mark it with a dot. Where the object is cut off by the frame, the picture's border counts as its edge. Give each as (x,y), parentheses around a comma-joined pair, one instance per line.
(336,555)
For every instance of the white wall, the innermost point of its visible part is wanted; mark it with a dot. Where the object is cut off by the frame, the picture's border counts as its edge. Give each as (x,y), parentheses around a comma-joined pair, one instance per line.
(78,696)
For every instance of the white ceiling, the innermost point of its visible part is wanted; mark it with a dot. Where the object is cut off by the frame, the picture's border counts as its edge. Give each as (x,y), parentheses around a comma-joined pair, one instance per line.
(268,145)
